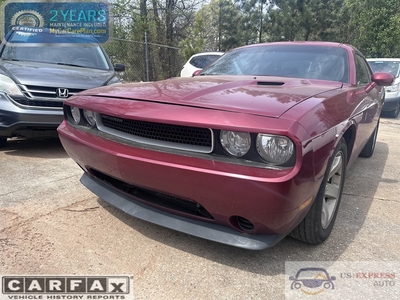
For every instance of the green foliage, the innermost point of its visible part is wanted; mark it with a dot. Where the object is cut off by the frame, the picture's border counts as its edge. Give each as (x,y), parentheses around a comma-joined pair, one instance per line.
(254,19)
(226,23)
(373,27)
(305,20)
(197,35)
(370,25)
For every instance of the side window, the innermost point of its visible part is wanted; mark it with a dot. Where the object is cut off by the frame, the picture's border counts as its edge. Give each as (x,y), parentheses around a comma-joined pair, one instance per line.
(363,73)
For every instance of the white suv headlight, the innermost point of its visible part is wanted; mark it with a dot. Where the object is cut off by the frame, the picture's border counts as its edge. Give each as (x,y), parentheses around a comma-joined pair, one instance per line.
(392,88)
(8,86)
(274,149)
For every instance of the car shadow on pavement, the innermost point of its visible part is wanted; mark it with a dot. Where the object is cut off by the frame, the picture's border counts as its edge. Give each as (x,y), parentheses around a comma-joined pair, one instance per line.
(40,148)
(362,181)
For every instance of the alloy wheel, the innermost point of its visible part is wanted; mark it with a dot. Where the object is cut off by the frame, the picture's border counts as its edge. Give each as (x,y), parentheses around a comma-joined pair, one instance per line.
(332,190)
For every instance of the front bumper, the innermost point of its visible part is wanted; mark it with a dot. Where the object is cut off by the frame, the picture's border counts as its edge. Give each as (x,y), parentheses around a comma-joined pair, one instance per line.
(274,201)
(26,121)
(198,228)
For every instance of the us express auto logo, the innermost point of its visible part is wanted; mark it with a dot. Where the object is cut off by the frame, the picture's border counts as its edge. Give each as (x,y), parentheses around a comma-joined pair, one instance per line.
(116,285)
(312,281)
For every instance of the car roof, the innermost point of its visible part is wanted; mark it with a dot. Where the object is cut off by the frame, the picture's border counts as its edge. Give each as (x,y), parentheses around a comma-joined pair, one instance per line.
(347,47)
(305,43)
(208,53)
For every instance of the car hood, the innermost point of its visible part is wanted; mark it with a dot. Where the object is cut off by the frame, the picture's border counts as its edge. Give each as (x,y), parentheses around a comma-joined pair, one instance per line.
(44,74)
(267,96)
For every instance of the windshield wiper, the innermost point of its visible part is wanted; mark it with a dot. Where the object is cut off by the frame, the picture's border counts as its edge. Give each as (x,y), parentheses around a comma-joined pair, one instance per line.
(12,59)
(71,65)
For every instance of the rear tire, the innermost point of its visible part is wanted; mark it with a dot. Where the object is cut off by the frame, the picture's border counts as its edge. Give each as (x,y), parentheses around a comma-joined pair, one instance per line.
(369,147)
(318,223)
(3,142)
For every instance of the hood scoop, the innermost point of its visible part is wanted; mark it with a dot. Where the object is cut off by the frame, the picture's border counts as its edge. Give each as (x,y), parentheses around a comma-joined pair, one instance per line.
(270,83)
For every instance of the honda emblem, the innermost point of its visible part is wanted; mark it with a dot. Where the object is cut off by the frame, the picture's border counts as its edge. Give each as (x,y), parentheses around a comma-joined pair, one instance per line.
(62,93)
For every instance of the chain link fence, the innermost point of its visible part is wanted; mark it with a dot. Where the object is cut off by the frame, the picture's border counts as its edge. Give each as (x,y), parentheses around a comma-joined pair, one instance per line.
(145,61)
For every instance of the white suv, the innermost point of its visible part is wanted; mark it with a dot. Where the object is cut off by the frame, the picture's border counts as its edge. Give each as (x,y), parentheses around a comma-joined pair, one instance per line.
(392,97)
(198,62)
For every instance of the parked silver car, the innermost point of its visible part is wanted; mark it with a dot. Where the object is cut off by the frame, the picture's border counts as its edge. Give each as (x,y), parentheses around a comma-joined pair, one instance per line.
(38,71)
(392,98)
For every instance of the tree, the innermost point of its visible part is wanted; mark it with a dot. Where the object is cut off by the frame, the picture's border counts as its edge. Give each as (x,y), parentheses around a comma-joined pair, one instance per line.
(165,23)
(215,28)
(373,27)
(305,20)
(255,15)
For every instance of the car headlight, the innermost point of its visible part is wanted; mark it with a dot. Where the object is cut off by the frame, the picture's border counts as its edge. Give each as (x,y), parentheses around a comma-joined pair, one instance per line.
(76,114)
(274,149)
(90,117)
(392,88)
(235,143)
(8,86)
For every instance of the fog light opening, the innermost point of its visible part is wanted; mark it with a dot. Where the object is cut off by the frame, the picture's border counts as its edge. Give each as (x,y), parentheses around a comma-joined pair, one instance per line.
(244,224)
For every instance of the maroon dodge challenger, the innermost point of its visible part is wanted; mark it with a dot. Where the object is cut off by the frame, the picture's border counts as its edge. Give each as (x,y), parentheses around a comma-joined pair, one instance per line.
(251,149)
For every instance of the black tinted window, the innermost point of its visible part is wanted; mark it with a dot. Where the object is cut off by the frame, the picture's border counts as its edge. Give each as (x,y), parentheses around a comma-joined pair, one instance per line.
(203,61)
(362,72)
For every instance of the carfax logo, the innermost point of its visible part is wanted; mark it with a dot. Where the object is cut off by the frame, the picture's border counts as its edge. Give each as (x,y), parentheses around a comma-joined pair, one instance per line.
(312,281)
(105,285)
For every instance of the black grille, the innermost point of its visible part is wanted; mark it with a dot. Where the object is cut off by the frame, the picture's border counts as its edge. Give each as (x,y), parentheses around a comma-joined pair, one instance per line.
(43,96)
(38,103)
(154,197)
(187,135)
(45,91)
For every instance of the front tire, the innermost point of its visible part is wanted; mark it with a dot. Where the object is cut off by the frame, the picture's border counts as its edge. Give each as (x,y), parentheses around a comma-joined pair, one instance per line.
(369,147)
(318,223)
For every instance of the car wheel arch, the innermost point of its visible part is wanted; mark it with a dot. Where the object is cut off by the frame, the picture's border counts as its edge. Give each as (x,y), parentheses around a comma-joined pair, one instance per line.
(349,136)
(313,228)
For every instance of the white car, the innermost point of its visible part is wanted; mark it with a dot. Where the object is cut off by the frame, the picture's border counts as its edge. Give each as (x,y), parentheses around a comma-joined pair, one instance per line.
(392,98)
(199,61)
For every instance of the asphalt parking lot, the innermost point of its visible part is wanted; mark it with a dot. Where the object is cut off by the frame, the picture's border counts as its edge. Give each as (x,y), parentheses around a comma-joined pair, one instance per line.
(50,224)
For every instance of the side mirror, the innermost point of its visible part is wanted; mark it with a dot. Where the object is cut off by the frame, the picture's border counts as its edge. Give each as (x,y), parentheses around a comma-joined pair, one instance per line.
(381,79)
(197,72)
(119,67)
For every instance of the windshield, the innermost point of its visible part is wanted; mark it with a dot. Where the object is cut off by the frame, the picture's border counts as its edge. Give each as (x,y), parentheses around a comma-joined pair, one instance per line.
(43,48)
(299,61)
(386,66)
